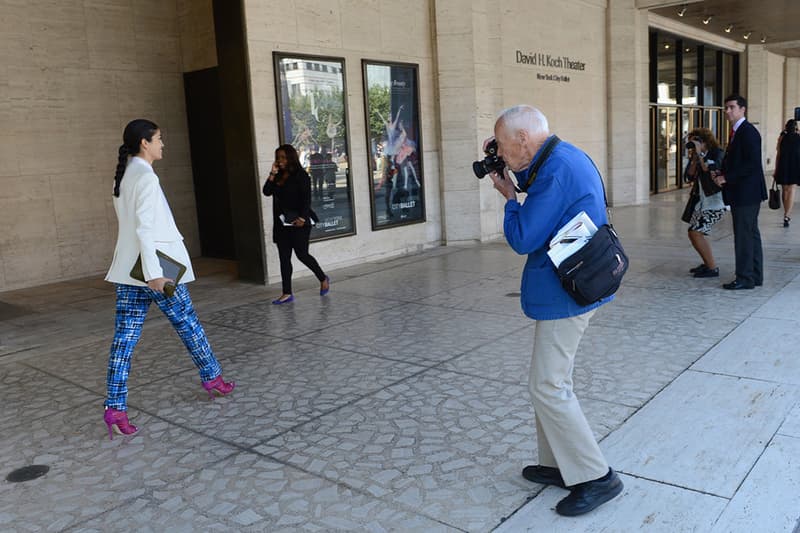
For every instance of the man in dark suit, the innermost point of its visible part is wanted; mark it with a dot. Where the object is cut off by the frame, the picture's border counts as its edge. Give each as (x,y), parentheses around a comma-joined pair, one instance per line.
(743,188)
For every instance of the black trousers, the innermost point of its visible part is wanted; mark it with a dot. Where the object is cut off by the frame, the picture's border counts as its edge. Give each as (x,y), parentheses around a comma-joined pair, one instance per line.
(296,239)
(747,244)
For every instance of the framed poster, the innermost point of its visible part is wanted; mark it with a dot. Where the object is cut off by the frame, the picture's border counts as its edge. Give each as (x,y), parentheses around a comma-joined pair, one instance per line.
(394,143)
(312,118)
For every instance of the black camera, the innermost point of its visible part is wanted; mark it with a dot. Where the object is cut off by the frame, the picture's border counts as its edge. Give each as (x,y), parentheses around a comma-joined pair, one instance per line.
(691,146)
(491,163)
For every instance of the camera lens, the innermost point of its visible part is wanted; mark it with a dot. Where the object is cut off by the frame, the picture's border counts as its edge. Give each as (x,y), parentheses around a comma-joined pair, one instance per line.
(480,170)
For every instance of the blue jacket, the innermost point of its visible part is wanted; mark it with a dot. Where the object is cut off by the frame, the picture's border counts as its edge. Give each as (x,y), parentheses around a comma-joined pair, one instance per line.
(566,184)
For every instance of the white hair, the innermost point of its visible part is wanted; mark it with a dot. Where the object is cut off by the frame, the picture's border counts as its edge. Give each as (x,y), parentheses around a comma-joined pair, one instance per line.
(524,117)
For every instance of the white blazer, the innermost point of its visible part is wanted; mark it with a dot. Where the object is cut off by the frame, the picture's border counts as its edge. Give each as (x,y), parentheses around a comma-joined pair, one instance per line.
(145,225)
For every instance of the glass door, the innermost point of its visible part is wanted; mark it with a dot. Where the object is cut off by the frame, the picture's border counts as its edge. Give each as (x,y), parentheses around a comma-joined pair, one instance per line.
(666,149)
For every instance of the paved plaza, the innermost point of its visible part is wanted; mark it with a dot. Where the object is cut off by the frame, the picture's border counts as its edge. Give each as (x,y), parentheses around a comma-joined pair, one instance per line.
(399,401)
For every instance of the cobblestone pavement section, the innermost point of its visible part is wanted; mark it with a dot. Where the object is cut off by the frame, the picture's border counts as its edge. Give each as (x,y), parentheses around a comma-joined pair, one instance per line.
(399,402)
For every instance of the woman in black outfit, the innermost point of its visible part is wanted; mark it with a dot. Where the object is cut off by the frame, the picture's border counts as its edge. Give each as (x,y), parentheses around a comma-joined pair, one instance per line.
(290,187)
(787,167)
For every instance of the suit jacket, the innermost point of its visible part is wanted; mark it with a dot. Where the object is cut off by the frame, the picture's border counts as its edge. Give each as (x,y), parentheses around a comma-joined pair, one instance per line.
(744,173)
(145,225)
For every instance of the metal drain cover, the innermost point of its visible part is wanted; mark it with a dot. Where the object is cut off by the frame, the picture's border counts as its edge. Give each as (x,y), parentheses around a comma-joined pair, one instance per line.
(27,473)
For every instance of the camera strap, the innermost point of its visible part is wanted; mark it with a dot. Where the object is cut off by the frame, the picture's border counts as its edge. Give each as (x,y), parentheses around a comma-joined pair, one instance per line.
(546,150)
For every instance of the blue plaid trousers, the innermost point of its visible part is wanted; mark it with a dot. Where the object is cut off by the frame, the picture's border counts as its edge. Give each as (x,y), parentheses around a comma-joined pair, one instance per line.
(132,305)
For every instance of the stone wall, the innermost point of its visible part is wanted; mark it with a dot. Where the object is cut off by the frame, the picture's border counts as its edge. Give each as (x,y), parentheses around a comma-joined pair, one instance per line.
(72,74)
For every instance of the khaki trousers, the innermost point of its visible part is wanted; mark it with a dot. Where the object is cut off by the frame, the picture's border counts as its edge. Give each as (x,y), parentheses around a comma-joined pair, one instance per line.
(564,437)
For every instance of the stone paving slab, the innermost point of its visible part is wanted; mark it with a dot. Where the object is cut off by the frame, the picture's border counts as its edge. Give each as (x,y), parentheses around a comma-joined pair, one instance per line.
(407,283)
(246,492)
(760,349)
(399,401)
(769,499)
(643,506)
(278,387)
(693,434)
(497,294)
(28,395)
(415,333)
(791,426)
(450,446)
(308,314)
(611,365)
(783,306)
(88,473)
(494,261)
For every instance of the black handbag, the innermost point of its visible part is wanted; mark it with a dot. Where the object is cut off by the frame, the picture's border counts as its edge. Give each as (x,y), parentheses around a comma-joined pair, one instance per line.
(774,196)
(595,271)
(691,204)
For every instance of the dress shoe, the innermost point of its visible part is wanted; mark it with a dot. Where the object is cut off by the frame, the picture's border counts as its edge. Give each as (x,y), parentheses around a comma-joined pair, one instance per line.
(698,268)
(786,221)
(325,290)
(218,386)
(587,496)
(736,285)
(117,422)
(282,300)
(546,475)
(707,272)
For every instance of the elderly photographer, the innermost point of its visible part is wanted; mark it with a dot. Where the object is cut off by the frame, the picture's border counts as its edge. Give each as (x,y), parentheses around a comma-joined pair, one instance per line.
(565,184)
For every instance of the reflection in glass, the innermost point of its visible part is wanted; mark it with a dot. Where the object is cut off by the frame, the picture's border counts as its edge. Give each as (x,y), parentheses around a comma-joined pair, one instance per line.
(689,89)
(312,118)
(712,118)
(710,77)
(667,93)
(666,149)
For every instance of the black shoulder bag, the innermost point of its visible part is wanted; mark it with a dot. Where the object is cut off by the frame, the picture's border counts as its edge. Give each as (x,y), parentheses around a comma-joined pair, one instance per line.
(595,271)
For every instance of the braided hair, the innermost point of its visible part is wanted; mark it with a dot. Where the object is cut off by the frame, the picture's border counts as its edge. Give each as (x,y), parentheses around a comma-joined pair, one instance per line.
(135,131)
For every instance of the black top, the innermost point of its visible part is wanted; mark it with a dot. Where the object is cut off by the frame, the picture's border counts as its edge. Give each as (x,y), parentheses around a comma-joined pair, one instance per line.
(292,199)
(787,171)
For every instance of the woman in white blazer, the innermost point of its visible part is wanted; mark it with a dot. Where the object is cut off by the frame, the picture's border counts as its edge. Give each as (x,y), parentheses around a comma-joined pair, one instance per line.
(146,226)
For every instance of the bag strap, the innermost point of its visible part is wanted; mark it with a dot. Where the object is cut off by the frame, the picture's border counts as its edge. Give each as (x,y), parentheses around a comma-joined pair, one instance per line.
(546,151)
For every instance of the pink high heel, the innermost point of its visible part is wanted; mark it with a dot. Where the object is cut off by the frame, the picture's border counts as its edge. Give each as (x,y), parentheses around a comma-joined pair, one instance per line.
(118,421)
(218,386)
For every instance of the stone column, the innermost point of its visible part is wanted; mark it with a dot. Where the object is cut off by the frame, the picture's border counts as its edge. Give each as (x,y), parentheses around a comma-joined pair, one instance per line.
(765,97)
(469,89)
(628,176)
(791,86)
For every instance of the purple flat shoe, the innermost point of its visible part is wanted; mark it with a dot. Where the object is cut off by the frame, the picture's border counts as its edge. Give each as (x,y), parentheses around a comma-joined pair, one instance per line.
(323,292)
(286,301)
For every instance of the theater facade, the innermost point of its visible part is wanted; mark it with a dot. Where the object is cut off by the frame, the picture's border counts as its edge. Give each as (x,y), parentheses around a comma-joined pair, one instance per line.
(387,103)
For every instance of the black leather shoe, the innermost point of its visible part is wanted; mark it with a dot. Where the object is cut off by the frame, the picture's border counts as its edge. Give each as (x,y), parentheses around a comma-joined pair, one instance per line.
(698,268)
(546,475)
(587,496)
(736,285)
(707,273)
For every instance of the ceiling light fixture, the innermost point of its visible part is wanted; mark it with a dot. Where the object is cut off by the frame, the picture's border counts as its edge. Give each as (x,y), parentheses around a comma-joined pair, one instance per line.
(747,35)
(707,19)
(729,28)
(763,39)
(682,10)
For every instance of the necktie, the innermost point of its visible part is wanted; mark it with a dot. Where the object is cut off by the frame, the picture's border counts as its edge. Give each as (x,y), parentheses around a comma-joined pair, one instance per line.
(730,137)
